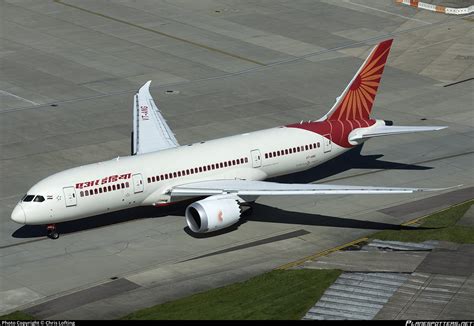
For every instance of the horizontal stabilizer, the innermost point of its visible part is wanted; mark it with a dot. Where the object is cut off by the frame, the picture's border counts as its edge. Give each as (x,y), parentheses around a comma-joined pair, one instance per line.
(389,130)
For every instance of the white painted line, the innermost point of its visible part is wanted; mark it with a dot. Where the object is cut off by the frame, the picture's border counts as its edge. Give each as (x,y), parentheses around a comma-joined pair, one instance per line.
(386,12)
(17,97)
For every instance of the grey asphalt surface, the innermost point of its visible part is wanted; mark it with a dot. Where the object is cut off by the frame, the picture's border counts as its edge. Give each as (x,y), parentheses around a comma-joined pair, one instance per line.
(69,70)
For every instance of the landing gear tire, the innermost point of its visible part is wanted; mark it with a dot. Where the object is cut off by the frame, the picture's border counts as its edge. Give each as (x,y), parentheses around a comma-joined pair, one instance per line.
(248,210)
(53,235)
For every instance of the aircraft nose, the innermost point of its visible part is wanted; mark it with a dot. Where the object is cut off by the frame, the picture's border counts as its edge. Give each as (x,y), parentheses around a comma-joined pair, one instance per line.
(18,215)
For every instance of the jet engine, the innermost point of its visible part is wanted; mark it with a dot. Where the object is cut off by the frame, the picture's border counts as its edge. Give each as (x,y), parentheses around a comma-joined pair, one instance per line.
(213,213)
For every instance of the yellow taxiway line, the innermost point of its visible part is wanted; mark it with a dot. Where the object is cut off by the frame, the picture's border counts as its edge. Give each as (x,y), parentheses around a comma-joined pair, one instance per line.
(321,253)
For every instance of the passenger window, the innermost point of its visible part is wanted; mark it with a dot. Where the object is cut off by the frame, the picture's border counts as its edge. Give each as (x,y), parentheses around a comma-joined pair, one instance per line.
(221,165)
(246,160)
(113,187)
(149,180)
(306,147)
(81,193)
(174,174)
(87,193)
(95,191)
(100,190)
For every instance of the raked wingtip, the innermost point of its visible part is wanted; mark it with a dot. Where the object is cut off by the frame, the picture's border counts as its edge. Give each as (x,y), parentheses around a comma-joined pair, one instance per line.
(444,189)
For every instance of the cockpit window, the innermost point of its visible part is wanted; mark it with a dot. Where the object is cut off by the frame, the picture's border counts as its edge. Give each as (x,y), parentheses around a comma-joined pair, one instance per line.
(28,198)
(39,199)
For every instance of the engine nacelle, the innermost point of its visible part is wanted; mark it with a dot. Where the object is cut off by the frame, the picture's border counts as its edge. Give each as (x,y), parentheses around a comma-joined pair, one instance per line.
(213,213)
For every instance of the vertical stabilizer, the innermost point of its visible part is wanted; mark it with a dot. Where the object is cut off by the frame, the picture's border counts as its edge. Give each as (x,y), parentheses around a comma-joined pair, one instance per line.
(355,103)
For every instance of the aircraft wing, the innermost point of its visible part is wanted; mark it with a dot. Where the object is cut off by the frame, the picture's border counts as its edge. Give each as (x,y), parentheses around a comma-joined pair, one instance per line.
(262,188)
(151,133)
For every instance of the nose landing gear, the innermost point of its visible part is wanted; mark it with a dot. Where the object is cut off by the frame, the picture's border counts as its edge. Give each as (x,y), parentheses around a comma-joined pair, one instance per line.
(52,233)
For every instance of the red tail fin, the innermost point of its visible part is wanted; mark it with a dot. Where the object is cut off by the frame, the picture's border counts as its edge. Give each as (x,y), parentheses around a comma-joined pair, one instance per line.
(355,103)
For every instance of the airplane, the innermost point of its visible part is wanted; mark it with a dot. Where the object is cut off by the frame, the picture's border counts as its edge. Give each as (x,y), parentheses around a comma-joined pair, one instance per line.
(222,175)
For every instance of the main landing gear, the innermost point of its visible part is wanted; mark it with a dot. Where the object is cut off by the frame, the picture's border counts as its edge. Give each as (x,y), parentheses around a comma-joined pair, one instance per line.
(52,233)
(247,209)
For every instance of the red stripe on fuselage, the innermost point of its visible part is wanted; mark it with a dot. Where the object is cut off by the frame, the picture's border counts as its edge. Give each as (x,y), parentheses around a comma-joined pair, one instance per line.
(339,131)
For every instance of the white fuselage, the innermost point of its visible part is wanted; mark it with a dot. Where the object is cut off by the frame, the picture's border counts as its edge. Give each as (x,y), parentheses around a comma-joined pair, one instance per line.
(145,179)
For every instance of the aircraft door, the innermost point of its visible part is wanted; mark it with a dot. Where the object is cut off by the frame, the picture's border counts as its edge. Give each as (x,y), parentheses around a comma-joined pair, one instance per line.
(256,158)
(70,196)
(327,143)
(137,183)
